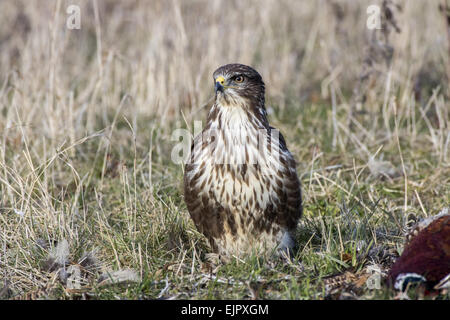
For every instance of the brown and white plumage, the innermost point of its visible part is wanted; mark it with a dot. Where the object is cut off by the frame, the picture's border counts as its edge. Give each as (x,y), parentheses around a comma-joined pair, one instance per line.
(240,185)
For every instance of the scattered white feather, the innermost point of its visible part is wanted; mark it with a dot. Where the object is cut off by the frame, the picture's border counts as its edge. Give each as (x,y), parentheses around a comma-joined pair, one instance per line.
(19,212)
(119,276)
(382,168)
(60,254)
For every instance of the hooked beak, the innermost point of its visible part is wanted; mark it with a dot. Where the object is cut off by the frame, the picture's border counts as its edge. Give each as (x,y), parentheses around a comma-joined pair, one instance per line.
(220,82)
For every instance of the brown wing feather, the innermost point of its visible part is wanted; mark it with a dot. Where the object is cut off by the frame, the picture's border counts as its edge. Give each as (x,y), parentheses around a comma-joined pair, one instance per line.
(290,209)
(206,212)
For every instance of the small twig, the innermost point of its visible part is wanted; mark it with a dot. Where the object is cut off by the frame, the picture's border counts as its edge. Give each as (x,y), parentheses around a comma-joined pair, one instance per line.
(421,204)
(401,154)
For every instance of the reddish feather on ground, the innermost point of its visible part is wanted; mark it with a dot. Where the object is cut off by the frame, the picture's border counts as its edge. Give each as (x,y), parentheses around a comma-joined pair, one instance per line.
(427,254)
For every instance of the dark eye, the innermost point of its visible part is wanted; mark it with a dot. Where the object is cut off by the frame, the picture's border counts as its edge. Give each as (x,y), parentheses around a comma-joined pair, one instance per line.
(239,79)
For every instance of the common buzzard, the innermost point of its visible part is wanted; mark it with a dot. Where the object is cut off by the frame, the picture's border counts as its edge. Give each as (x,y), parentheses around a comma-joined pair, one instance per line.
(240,184)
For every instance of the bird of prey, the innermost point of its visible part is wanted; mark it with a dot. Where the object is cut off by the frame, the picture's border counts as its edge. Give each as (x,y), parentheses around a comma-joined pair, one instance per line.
(240,183)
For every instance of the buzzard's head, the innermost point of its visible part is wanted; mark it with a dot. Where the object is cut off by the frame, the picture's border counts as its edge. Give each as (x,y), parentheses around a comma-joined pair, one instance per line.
(238,84)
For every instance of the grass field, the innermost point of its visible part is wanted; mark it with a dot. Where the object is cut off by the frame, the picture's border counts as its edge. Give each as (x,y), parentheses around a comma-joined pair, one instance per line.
(91,204)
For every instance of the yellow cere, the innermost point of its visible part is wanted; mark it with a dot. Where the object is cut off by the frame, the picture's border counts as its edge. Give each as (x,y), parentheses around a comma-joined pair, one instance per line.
(221,80)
